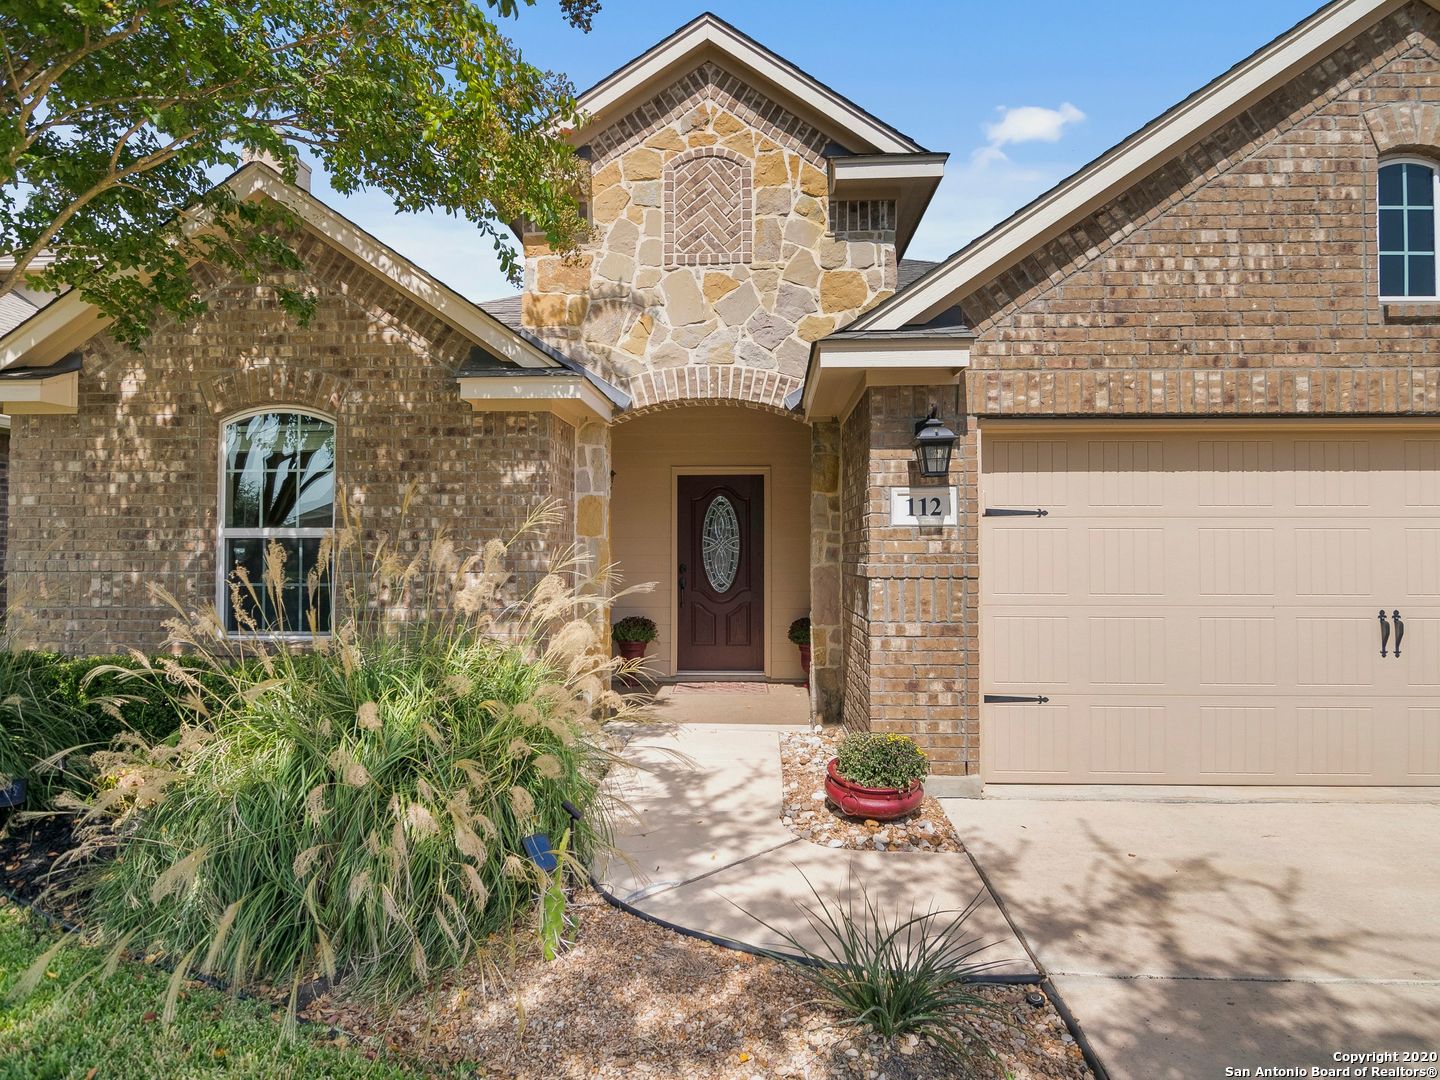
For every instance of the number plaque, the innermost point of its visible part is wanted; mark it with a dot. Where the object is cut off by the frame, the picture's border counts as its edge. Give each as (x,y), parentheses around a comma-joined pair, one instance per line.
(929,506)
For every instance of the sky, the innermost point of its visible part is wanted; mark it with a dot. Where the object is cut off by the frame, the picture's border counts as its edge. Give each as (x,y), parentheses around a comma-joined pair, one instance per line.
(1019,95)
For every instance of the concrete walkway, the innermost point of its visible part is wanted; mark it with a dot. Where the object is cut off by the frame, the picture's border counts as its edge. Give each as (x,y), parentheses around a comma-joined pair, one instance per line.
(1193,931)
(704,845)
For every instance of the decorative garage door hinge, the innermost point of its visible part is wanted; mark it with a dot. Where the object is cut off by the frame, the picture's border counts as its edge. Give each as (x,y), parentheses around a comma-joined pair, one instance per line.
(1015,699)
(1002,511)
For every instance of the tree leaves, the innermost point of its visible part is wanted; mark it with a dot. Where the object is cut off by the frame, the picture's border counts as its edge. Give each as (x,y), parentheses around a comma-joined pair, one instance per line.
(119,113)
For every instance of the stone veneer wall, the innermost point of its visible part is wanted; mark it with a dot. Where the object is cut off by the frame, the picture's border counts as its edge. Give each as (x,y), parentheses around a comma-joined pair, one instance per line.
(826,544)
(5,511)
(763,274)
(124,493)
(910,595)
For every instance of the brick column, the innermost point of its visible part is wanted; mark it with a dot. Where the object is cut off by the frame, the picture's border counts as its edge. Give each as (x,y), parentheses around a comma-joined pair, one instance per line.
(910,593)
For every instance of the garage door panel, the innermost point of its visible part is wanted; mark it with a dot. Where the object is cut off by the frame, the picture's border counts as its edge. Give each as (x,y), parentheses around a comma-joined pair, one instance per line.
(1204,609)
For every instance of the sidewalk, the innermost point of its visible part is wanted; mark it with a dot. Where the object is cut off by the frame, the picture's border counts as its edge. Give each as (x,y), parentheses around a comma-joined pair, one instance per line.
(703,845)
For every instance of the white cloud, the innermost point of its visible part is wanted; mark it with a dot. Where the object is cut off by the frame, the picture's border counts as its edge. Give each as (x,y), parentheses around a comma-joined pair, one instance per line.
(1023,124)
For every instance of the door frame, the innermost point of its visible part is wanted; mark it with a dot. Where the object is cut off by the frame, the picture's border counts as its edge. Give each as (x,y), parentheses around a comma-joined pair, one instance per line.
(762,471)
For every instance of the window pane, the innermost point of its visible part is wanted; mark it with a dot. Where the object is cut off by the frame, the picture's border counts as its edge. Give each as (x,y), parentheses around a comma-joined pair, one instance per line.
(279,472)
(1392,275)
(1421,235)
(1422,276)
(290,611)
(1419,186)
(1392,185)
(1392,230)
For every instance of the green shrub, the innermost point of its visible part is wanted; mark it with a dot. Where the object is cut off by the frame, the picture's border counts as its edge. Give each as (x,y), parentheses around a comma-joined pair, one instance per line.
(896,976)
(37,726)
(634,628)
(800,631)
(355,808)
(880,760)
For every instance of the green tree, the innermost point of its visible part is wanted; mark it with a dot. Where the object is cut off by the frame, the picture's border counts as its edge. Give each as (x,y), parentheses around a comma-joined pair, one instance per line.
(119,113)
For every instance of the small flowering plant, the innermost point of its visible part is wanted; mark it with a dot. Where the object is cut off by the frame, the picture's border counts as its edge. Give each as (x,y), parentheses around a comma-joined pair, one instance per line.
(877,759)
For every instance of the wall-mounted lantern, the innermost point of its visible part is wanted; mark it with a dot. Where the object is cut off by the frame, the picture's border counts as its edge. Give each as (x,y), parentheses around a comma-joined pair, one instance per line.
(934,443)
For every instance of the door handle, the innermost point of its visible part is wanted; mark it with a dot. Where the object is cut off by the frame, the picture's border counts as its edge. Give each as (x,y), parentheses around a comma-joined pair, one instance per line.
(1384,634)
(1399,631)
(682,585)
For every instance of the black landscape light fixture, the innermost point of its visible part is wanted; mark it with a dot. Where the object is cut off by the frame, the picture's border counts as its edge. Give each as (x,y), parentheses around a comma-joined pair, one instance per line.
(934,443)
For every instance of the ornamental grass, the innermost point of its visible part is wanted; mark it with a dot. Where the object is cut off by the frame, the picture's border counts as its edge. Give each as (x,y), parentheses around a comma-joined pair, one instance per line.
(353,807)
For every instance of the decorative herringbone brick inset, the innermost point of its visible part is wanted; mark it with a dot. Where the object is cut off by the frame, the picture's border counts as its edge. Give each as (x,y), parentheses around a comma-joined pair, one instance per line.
(707,209)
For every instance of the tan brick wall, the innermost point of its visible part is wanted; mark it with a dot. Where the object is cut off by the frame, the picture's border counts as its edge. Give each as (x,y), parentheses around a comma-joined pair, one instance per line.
(1240,280)
(909,593)
(123,493)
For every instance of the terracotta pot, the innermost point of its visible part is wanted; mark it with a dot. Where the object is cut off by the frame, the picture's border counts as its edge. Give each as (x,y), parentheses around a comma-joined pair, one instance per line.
(881,804)
(805,661)
(632,650)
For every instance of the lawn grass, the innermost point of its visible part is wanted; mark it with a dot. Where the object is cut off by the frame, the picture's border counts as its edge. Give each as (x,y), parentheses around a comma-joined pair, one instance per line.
(108,1029)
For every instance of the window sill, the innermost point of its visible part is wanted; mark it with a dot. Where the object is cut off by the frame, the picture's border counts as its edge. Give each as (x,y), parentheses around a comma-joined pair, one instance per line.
(1411,309)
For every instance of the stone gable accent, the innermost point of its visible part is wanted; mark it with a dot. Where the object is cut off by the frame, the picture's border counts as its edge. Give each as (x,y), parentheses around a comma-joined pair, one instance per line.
(123,494)
(708,213)
(709,83)
(712,249)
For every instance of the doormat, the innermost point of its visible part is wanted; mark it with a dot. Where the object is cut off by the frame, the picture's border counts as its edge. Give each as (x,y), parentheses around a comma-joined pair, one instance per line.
(720,688)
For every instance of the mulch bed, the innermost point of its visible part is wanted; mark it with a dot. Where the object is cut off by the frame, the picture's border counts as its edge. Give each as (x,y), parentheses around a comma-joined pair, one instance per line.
(29,846)
(808,814)
(632,1000)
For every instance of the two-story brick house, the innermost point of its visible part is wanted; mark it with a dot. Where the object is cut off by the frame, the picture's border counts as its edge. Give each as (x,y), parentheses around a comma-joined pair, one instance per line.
(1188,533)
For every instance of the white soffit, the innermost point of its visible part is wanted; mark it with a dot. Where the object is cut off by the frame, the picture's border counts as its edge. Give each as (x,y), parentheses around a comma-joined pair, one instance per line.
(841,370)
(1136,157)
(710,36)
(571,397)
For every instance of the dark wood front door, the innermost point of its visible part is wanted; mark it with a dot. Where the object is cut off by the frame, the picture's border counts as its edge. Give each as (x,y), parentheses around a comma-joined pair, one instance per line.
(722,574)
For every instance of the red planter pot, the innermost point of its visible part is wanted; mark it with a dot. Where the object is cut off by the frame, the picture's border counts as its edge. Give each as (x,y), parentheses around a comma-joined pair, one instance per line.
(805,661)
(881,804)
(632,650)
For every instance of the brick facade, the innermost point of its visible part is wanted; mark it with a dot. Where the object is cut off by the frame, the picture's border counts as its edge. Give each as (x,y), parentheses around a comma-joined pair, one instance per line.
(125,492)
(1238,280)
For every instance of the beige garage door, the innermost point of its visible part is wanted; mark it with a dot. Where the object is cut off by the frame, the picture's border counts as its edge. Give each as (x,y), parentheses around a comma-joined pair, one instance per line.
(1204,607)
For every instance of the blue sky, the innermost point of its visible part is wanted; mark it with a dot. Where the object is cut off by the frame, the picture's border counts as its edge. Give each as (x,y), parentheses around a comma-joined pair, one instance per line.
(1020,95)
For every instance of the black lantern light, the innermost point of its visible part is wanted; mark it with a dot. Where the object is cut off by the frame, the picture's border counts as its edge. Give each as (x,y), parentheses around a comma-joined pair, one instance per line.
(933,444)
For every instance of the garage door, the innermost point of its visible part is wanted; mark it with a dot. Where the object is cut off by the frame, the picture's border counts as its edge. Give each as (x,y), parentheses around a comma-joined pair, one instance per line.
(1222,607)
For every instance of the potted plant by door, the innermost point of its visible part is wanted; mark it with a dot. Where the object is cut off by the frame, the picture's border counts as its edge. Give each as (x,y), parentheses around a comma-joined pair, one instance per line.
(877,775)
(632,634)
(800,636)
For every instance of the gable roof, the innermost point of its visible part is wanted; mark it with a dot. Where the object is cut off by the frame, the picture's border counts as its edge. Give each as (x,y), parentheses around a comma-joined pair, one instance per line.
(67,322)
(1123,165)
(710,36)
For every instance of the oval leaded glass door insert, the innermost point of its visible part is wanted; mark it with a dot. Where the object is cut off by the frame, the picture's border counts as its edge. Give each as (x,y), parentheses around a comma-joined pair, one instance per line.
(720,544)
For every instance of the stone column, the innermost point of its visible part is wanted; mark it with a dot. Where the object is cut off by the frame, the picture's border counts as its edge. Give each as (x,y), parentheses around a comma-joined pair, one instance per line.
(825,521)
(592,509)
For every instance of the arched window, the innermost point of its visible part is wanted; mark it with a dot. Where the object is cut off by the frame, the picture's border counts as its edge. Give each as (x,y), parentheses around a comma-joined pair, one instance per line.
(1407,229)
(277,487)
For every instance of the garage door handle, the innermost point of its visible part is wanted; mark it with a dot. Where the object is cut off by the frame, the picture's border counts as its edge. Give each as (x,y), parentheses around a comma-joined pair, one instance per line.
(1385,634)
(1015,699)
(1399,632)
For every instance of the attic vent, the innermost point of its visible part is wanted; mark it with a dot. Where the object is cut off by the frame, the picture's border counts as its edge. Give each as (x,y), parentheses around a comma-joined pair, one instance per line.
(708,219)
(853,217)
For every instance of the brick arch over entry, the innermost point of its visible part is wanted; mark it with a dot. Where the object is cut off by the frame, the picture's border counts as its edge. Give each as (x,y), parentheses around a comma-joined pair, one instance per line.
(694,385)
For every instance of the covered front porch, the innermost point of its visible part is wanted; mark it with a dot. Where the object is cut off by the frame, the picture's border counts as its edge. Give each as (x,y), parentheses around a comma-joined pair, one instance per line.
(710,516)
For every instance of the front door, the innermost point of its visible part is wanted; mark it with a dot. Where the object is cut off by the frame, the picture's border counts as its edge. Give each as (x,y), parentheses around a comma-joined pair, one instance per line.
(721,587)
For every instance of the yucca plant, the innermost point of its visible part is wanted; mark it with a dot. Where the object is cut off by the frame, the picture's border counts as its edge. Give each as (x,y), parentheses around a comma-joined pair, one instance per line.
(355,807)
(894,974)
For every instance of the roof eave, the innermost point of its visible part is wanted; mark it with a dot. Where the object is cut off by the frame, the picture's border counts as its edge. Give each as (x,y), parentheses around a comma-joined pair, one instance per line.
(842,367)
(909,179)
(1139,155)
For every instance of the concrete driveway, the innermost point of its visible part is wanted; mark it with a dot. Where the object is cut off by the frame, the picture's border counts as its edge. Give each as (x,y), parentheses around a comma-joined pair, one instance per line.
(1201,930)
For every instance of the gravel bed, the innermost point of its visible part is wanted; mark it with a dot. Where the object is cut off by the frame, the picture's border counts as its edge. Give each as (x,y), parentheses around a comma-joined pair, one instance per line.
(632,1000)
(809,815)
